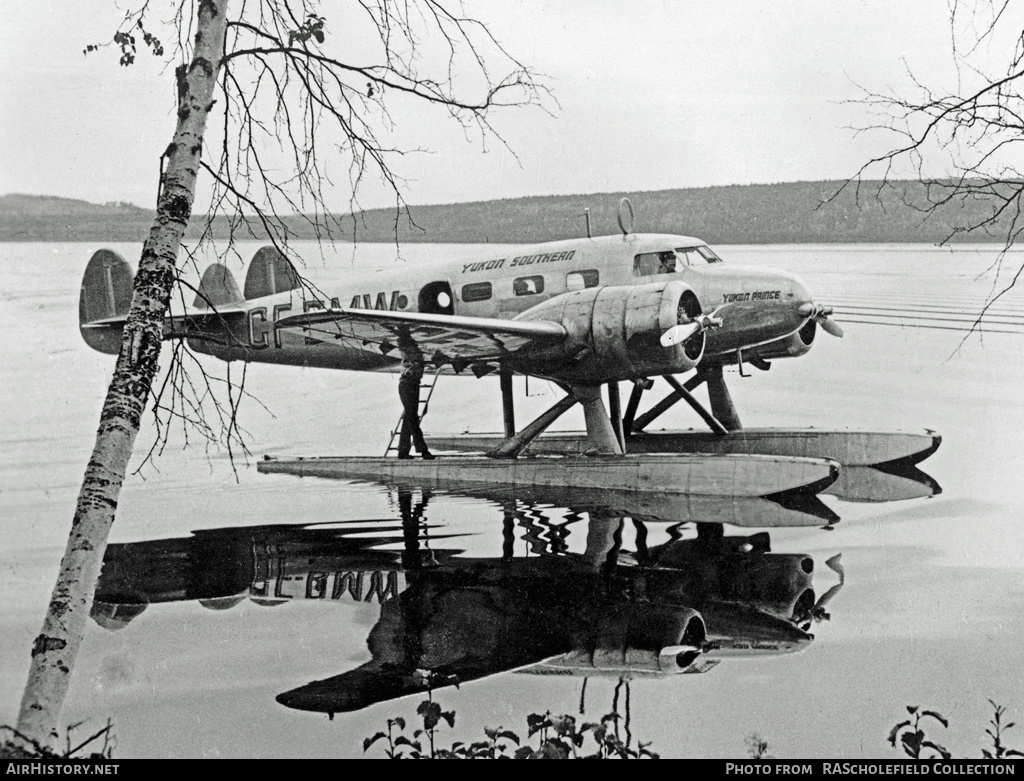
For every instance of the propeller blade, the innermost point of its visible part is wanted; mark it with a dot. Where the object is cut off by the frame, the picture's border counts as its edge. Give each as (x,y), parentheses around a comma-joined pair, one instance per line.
(678,334)
(830,326)
(821,314)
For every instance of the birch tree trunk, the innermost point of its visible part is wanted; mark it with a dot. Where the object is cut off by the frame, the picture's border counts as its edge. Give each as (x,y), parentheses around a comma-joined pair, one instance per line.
(56,647)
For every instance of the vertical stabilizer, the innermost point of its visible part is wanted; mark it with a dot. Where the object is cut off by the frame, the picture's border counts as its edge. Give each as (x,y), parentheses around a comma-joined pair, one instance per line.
(217,288)
(270,272)
(104,300)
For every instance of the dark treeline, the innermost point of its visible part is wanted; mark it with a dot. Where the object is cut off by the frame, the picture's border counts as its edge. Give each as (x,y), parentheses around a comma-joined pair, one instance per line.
(789,213)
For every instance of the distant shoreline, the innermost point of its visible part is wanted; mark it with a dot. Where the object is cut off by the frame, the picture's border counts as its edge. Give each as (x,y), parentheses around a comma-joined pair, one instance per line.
(788,213)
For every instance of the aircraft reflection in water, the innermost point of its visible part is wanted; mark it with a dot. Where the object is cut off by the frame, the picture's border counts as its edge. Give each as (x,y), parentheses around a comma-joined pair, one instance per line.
(677,607)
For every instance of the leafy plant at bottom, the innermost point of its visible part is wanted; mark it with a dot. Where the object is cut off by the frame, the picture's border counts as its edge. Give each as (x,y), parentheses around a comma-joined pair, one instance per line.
(912,738)
(995,731)
(757,746)
(558,737)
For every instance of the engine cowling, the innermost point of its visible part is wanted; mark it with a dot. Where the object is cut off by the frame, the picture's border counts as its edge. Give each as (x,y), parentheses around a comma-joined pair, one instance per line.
(780,584)
(615,332)
(656,640)
(793,346)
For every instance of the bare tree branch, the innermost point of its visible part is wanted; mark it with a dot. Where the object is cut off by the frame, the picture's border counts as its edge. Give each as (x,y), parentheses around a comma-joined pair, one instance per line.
(963,145)
(287,108)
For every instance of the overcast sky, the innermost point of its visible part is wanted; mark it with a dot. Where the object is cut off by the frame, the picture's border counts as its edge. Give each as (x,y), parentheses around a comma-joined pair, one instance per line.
(651,95)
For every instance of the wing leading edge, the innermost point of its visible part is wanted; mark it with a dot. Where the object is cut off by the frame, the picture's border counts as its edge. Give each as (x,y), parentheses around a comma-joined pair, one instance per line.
(436,338)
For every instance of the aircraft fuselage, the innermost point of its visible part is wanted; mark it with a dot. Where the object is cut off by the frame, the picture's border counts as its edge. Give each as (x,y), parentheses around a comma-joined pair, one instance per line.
(760,307)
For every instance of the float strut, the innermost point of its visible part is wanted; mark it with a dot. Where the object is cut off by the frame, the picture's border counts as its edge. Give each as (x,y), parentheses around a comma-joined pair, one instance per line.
(615,411)
(666,403)
(515,444)
(604,539)
(508,529)
(721,402)
(686,396)
(508,409)
(631,407)
(601,439)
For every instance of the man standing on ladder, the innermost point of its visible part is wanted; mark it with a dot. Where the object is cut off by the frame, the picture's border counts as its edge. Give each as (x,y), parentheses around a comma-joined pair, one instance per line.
(409,393)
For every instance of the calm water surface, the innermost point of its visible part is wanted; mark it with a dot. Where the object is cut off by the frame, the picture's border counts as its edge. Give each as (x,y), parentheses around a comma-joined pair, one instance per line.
(271,600)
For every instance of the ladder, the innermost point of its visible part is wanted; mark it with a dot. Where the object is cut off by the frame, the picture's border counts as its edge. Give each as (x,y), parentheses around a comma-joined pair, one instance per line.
(427,385)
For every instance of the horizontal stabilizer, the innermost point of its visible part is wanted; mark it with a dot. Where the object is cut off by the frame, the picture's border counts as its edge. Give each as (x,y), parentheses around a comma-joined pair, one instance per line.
(270,272)
(106,295)
(217,288)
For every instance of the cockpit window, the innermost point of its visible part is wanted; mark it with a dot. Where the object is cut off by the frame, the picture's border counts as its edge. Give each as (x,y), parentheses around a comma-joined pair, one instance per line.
(649,263)
(670,261)
(697,255)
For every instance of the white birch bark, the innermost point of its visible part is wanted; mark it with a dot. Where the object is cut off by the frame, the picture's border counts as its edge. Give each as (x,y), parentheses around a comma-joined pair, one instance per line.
(56,647)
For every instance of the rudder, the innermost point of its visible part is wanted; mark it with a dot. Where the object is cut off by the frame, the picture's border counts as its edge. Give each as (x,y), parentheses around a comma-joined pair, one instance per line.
(106,295)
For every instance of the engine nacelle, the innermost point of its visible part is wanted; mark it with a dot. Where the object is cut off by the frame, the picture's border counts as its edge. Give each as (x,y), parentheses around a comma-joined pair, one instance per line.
(793,346)
(779,584)
(654,640)
(615,333)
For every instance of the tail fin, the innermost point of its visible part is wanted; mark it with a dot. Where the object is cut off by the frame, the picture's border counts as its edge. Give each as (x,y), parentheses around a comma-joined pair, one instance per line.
(104,301)
(270,272)
(217,288)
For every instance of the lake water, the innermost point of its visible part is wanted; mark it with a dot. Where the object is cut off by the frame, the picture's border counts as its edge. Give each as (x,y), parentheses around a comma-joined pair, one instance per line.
(930,612)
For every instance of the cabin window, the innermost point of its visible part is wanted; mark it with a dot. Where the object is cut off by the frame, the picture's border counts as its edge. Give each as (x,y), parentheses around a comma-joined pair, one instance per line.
(649,263)
(578,280)
(528,286)
(477,291)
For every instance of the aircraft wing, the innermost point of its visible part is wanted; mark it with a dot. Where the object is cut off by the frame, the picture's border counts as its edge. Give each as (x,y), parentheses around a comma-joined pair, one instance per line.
(438,338)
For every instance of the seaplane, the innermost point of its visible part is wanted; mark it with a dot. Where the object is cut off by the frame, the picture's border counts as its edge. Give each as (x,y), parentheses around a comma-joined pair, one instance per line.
(586,313)
(450,618)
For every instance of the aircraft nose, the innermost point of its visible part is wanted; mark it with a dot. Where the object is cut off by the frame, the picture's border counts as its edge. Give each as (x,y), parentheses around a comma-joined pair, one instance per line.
(807,307)
(800,289)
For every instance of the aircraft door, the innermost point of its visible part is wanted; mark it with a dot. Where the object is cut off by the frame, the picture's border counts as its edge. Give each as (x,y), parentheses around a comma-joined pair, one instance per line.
(436,299)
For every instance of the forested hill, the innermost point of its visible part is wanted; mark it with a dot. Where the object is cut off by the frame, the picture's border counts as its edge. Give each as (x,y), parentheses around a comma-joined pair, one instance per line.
(48,218)
(789,213)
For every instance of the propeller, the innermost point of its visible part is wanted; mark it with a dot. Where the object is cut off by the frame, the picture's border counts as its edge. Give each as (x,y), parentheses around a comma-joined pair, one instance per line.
(834,564)
(821,314)
(678,334)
